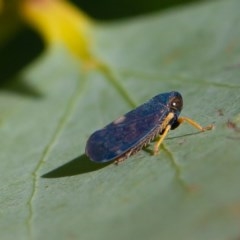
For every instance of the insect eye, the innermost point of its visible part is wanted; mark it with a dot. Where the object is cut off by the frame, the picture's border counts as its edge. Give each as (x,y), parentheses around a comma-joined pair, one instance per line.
(176,104)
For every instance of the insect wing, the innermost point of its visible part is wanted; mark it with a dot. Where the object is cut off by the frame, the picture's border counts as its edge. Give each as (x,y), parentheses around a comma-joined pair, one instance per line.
(125,133)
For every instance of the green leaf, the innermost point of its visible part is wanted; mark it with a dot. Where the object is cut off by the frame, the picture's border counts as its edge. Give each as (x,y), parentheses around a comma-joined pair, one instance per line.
(50,190)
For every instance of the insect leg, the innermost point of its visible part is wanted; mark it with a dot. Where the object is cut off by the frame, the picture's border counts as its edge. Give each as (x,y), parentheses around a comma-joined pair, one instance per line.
(158,143)
(195,124)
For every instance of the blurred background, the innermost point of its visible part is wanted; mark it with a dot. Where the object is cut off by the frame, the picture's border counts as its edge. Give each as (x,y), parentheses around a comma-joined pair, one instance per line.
(20,43)
(108,10)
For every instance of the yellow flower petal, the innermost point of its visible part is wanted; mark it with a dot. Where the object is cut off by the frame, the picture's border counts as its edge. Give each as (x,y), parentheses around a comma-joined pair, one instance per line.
(59,21)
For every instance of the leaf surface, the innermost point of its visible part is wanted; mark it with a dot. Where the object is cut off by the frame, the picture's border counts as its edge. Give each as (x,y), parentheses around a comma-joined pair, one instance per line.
(50,190)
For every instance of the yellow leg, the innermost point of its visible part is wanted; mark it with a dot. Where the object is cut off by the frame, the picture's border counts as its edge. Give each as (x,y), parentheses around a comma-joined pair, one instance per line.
(156,146)
(195,124)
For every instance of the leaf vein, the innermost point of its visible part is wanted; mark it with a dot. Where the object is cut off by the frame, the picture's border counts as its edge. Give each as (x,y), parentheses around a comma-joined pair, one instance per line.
(62,123)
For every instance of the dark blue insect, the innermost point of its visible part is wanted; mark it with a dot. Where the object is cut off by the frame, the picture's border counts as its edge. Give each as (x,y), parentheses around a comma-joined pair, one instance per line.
(131,132)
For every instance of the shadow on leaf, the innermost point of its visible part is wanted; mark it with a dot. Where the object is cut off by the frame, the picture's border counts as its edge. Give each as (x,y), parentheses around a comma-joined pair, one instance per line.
(78,165)
(82,164)
(15,55)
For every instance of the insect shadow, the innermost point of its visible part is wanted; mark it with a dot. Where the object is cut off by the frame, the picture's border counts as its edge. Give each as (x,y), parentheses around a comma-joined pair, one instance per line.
(82,164)
(78,165)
